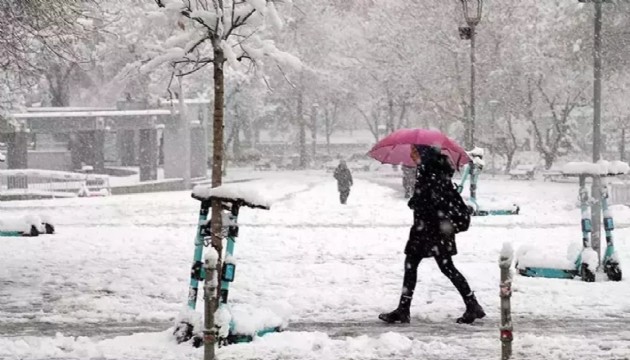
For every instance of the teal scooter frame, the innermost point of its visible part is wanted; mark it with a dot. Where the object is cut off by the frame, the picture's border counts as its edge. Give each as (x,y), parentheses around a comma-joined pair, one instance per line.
(184,331)
(582,269)
(33,231)
(611,261)
(472,171)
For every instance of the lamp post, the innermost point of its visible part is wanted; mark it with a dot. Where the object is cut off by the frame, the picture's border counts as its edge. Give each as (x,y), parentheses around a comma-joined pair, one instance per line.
(493,108)
(597,121)
(472,15)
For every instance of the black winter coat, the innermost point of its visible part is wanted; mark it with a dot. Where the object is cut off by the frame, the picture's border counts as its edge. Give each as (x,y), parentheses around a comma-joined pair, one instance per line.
(432,233)
(344,178)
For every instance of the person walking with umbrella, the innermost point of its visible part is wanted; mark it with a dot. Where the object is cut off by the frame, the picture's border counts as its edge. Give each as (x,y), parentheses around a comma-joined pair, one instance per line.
(344,181)
(439,213)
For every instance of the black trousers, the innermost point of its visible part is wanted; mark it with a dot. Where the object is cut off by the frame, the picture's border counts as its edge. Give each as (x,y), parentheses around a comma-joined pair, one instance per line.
(343,195)
(445,263)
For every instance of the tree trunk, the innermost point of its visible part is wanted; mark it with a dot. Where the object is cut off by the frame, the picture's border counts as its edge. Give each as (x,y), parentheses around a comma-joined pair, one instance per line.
(58,86)
(622,145)
(248,133)
(509,158)
(256,139)
(217,175)
(549,159)
(60,97)
(390,116)
(328,131)
(302,135)
(314,132)
(236,145)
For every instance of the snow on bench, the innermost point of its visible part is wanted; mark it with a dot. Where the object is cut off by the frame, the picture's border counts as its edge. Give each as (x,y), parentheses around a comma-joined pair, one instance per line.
(602,168)
(553,174)
(523,172)
(242,192)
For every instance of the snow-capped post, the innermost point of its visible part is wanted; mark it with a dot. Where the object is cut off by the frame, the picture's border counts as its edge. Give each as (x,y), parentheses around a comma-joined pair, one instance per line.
(505,261)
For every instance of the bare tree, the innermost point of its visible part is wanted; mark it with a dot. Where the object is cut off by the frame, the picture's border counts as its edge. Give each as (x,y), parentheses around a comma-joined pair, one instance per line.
(35,29)
(218,31)
(331,120)
(510,146)
(555,140)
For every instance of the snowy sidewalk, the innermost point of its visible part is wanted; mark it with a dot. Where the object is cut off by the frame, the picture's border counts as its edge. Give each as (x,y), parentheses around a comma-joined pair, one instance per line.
(120,265)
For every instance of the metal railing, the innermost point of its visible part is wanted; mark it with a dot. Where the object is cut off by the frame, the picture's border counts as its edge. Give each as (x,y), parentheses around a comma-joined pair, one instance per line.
(52,183)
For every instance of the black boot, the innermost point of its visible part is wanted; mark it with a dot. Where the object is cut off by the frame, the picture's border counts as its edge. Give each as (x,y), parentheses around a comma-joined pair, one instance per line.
(473,310)
(401,314)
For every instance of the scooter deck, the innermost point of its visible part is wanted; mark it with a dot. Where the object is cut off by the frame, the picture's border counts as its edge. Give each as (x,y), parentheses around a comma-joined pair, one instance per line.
(549,273)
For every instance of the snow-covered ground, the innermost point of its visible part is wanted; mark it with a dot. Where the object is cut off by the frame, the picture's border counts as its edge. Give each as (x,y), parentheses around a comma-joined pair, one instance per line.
(110,282)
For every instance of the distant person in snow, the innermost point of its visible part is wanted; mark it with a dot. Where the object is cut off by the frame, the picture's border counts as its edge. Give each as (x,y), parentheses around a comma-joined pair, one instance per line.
(409,180)
(438,214)
(344,181)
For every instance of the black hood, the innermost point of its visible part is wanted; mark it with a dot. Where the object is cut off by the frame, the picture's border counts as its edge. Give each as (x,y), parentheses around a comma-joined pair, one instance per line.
(433,162)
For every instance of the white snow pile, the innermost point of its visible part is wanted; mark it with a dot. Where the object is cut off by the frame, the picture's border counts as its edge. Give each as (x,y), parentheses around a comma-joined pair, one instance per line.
(233,192)
(21,223)
(507,254)
(492,204)
(211,257)
(477,152)
(248,319)
(590,258)
(230,260)
(223,319)
(2,157)
(190,316)
(527,256)
(601,167)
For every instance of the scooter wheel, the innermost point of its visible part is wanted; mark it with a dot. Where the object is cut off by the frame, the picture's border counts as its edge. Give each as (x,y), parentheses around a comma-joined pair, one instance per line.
(183,332)
(33,231)
(50,229)
(197,341)
(613,271)
(586,274)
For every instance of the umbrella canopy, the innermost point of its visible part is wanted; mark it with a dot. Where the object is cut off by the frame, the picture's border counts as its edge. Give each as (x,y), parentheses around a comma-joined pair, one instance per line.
(396,147)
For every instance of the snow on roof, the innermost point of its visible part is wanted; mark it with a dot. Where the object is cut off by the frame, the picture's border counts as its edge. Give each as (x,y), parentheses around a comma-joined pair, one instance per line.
(601,167)
(110,113)
(233,192)
(37,109)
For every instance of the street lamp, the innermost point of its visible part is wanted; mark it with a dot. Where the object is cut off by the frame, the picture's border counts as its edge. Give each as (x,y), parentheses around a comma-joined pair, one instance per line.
(472,15)
(597,121)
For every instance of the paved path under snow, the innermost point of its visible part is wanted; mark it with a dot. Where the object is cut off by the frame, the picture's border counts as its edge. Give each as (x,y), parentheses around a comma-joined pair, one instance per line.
(611,328)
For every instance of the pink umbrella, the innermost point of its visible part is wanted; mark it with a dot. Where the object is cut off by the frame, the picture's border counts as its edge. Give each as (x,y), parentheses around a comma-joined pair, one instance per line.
(396,147)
